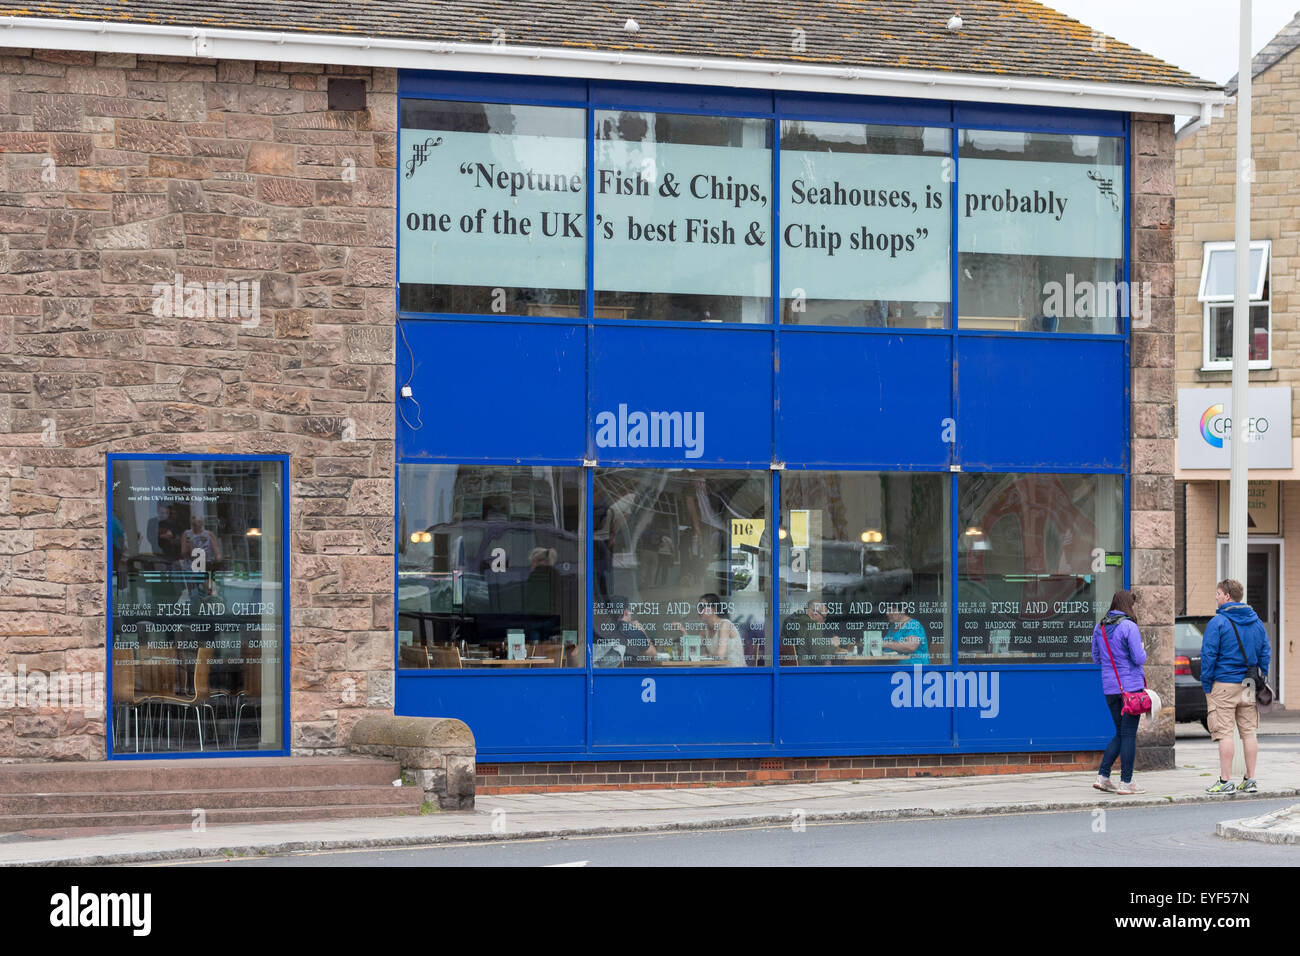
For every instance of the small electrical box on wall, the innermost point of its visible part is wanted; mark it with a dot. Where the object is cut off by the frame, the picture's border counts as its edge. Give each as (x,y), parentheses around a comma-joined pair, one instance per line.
(346,93)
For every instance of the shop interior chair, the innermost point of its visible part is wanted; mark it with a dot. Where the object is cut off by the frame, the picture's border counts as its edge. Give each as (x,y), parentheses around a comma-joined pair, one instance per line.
(414,655)
(445,657)
(250,696)
(551,650)
(199,699)
(159,679)
(125,703)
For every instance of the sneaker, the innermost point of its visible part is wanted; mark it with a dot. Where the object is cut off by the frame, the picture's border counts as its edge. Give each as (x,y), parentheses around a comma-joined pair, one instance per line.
(1103,784)
(1248,785)
(1129,788)
(1223,786)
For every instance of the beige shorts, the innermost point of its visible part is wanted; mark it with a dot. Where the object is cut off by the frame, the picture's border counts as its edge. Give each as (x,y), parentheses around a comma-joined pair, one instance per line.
(1226,708)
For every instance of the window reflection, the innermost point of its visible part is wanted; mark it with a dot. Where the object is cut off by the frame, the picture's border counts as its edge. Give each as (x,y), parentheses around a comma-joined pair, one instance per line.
(680,565)
(1041,232)
(865,225)
(493,208)
(197,625)
(864,568)
(1039,558)
(683,217)
(489,567)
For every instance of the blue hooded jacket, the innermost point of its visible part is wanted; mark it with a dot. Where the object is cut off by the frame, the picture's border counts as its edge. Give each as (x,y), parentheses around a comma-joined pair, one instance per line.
(1221,660)
(1126,646)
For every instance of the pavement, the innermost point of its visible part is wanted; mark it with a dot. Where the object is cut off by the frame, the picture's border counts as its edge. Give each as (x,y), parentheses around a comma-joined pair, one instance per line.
(541,816)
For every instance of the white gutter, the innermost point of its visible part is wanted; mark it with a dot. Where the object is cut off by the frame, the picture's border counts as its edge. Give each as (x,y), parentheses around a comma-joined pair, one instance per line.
(224,44)
(1209,113)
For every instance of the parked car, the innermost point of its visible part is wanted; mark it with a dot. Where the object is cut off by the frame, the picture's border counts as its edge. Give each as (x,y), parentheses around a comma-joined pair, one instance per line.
(851,572)
(1189,696)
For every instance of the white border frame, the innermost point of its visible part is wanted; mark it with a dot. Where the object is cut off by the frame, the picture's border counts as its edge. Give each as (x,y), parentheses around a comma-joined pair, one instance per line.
(1209,364)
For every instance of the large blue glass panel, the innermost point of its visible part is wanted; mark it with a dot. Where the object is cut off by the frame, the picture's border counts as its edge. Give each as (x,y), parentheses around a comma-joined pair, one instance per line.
(1033,403)
(681,709)
(681,396)
(491,390)
(506,712)
(867,710)
(877,400)
(1043,708)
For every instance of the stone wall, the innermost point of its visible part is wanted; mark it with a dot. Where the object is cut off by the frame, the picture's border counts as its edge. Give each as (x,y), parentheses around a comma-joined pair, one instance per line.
(118,172)
(1153,394)
(1202,538)
(1206,185)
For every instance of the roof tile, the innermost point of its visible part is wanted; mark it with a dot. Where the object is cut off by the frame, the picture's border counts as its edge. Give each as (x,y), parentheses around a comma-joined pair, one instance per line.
(1019,37)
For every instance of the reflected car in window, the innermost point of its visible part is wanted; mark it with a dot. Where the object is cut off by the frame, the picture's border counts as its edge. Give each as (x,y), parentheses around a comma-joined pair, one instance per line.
(1189,695)
(854,572)
(477,580)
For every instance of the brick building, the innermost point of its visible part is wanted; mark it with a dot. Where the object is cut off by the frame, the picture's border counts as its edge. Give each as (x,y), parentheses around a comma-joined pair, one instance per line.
(1206,178)
(155,431)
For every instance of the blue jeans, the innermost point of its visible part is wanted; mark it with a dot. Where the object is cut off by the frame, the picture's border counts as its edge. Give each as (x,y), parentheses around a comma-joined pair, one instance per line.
(1124,744)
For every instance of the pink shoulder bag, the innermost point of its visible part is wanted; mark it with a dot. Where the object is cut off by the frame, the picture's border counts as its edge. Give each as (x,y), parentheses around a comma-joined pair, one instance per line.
(1136,703)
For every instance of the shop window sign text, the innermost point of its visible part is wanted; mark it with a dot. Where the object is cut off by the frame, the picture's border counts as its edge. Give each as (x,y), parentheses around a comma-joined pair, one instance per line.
(651,429)
(947,690)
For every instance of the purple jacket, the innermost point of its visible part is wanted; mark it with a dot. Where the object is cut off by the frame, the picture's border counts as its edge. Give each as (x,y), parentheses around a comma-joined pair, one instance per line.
(1126,644)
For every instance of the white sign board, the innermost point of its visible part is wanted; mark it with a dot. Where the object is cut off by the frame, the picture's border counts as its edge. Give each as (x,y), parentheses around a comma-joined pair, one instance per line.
(857,226)
(681,218)
(1013,207)
(1205,424)
(487,209)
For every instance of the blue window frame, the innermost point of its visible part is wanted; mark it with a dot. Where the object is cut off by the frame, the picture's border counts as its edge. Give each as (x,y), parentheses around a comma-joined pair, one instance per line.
(772,396)
(197,624)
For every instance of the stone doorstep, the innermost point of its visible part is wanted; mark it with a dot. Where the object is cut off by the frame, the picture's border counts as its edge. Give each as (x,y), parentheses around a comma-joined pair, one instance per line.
(202,773)
(165,793)
(226,798)
(39,826)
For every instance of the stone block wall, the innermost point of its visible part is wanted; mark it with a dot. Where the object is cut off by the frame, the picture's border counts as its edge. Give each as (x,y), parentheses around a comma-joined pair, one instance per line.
(1153,422)
(1206,183)
(1202,539)
(118,172)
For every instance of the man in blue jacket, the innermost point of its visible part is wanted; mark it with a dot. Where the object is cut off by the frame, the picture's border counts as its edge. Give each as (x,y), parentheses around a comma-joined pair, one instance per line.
(1223,668)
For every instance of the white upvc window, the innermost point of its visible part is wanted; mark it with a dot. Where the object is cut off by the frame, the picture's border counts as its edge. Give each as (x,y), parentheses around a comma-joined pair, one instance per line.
(1218,272)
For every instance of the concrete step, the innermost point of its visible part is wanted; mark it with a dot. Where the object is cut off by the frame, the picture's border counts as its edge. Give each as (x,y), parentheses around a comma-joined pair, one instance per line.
(123,801)
(163,793)
(176,819)
(202,773)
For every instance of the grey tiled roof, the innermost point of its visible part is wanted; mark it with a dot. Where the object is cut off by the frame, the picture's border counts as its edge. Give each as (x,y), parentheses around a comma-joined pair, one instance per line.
(1002,37)
(1288,39)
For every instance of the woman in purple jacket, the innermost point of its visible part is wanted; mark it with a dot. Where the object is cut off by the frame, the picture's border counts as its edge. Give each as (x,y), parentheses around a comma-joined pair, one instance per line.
(1126,646)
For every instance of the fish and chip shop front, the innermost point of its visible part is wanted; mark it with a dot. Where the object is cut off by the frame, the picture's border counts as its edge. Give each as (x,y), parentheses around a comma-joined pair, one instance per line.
(746,423)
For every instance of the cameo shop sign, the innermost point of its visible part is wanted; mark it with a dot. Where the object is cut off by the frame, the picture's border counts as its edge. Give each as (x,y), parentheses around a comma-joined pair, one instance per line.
(1205,424)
